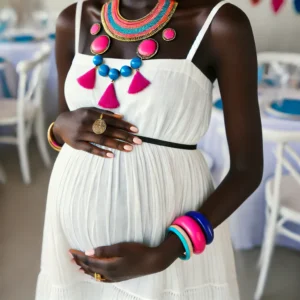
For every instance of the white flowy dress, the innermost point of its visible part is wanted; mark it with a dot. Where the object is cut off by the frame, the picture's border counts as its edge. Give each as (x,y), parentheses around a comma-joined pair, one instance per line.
(93,201)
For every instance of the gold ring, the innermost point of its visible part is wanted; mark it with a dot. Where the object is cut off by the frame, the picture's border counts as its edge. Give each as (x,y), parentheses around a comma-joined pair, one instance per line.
(98,277)
(99,126)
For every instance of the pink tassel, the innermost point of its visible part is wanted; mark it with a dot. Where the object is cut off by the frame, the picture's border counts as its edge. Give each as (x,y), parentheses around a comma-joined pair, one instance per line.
(88,79)
(277,4)
(109,98)
(138,83)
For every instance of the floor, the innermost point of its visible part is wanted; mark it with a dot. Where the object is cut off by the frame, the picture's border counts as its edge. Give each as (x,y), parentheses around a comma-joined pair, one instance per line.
(21,224)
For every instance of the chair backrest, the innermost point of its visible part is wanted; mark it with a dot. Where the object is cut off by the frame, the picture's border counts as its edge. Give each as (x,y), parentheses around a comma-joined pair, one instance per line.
(8,16)
(285,154)
(285,65)
(32,78)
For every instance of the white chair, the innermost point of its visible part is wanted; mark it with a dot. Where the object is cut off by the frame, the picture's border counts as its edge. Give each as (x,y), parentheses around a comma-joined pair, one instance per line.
(27,110)
(283,67)
(9,16)
(41,19)
(282,198)
(8,79)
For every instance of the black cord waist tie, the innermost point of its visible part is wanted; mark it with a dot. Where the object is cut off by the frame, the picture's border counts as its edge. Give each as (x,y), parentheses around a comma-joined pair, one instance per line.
(167,144)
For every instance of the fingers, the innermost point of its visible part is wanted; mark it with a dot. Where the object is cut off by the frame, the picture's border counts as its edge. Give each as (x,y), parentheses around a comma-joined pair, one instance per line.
(91,265)
(106,141)
(113,139)
(123,136)
(120,124)
(87,147)
(112,120)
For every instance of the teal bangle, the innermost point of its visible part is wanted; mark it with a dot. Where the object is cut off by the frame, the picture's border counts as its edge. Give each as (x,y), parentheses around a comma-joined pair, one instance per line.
(187,255)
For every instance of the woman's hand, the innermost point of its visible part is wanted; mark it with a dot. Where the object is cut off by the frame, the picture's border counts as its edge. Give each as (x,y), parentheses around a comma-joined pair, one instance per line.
(126,261)
(75,129)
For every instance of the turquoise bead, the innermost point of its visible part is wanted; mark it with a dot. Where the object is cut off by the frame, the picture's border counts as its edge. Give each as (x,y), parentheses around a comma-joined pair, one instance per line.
(98,60)
(126,71)
(113,74)
(136,63)
(103,70)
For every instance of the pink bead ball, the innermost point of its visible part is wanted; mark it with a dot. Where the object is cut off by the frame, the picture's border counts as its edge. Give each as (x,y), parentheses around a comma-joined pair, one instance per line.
(169,34)
(100,44)
(95,28)
(147,48)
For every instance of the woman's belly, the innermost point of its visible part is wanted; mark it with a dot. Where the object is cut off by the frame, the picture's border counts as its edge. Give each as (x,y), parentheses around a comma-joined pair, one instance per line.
(133,197)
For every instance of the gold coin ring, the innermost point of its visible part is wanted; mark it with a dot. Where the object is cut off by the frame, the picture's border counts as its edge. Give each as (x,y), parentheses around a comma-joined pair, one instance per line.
(98,277)
(99,126)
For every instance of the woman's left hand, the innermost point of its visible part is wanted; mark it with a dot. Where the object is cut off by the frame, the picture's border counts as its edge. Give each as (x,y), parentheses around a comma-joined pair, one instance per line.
(126,261)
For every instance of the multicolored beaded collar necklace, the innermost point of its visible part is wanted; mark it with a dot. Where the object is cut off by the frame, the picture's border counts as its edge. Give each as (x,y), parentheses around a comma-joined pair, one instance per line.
(117,27)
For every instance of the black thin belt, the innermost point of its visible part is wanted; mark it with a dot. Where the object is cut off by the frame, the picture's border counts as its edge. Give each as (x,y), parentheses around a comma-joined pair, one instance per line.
(167,144)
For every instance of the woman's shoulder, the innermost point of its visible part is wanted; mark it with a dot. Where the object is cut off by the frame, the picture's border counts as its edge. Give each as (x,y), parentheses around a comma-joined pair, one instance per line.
(230,20)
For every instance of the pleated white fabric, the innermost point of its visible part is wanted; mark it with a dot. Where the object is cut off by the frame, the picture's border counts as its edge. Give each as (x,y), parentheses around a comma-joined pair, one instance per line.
(94,201)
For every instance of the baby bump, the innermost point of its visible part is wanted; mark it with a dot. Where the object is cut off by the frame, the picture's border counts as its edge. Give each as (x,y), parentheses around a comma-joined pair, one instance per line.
(133,197)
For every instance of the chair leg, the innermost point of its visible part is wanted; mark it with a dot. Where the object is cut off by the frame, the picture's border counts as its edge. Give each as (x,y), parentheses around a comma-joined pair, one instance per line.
(23,153)
(263,246)
(41,138)
(2,175)
(266,258)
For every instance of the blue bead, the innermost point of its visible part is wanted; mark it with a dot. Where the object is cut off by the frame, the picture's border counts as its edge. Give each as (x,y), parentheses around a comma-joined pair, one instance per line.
(204,224)
(103,70)
(114,74)
(126,71)
(136,63)
(98,60)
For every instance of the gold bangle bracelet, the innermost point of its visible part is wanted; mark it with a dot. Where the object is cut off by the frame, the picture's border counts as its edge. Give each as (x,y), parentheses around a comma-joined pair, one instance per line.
(51,141)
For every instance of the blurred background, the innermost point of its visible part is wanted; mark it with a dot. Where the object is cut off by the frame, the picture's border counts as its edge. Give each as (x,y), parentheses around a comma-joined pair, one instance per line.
(266,228)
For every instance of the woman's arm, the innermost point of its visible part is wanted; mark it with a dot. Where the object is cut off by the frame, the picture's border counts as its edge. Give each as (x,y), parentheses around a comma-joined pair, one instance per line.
(64,51)
(235,64)
(236,70)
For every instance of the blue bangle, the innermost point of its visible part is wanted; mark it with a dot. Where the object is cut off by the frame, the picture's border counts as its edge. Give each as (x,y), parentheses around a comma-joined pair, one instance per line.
(204,224)
(187,255)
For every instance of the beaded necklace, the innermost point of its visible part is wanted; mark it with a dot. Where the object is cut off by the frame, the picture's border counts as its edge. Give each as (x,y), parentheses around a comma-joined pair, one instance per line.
(119,28)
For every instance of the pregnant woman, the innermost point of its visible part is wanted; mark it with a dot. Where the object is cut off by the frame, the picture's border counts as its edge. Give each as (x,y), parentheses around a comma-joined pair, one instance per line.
(132,213)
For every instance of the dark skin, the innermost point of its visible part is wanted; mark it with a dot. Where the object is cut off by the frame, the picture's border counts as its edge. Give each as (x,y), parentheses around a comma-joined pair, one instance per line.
(227,53)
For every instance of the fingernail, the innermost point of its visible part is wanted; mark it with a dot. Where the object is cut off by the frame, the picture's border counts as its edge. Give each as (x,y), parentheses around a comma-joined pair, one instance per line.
(138,141)
(128,148)
(90,252)
(70,254)
(73,261)
(110,155)
(134,129)
(81,271)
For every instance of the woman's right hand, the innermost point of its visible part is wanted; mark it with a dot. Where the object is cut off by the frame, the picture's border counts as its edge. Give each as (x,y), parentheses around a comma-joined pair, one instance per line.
(75,129)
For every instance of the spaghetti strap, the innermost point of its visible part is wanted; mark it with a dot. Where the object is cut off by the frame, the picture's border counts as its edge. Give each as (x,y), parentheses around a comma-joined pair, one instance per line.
(204,28)
(77,24)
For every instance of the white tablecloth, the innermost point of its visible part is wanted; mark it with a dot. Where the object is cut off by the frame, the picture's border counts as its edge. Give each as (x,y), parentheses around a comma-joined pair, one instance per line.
(247,223)
(15,52)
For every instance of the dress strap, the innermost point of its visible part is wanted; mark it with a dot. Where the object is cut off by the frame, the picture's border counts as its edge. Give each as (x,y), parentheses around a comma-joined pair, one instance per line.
(204,28)
(77,24)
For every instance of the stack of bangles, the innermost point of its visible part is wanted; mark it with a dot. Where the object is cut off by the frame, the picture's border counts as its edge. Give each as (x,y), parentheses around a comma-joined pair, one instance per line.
(51,139)
(194,231)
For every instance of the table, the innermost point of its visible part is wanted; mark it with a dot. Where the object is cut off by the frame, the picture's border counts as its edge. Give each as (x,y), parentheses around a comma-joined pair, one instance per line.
(247,223)
(15,52)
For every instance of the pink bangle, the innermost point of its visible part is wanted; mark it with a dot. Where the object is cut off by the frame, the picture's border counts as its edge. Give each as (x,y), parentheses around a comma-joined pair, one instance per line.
(194,232)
